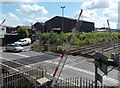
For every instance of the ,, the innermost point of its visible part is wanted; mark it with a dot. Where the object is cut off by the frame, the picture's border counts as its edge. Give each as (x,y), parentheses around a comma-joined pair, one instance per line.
(14,47)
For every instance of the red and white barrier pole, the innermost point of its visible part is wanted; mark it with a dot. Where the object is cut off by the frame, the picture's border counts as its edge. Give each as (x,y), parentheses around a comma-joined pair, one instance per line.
(2,22)
(110,34)
(66,47)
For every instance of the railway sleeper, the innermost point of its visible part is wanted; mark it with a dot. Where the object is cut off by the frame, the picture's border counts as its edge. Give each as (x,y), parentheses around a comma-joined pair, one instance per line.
(87,55)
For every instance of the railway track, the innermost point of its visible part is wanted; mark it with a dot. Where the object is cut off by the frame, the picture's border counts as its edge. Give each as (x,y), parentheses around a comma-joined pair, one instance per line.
(23,64)
(17,72)
(89,51)
(9,66)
